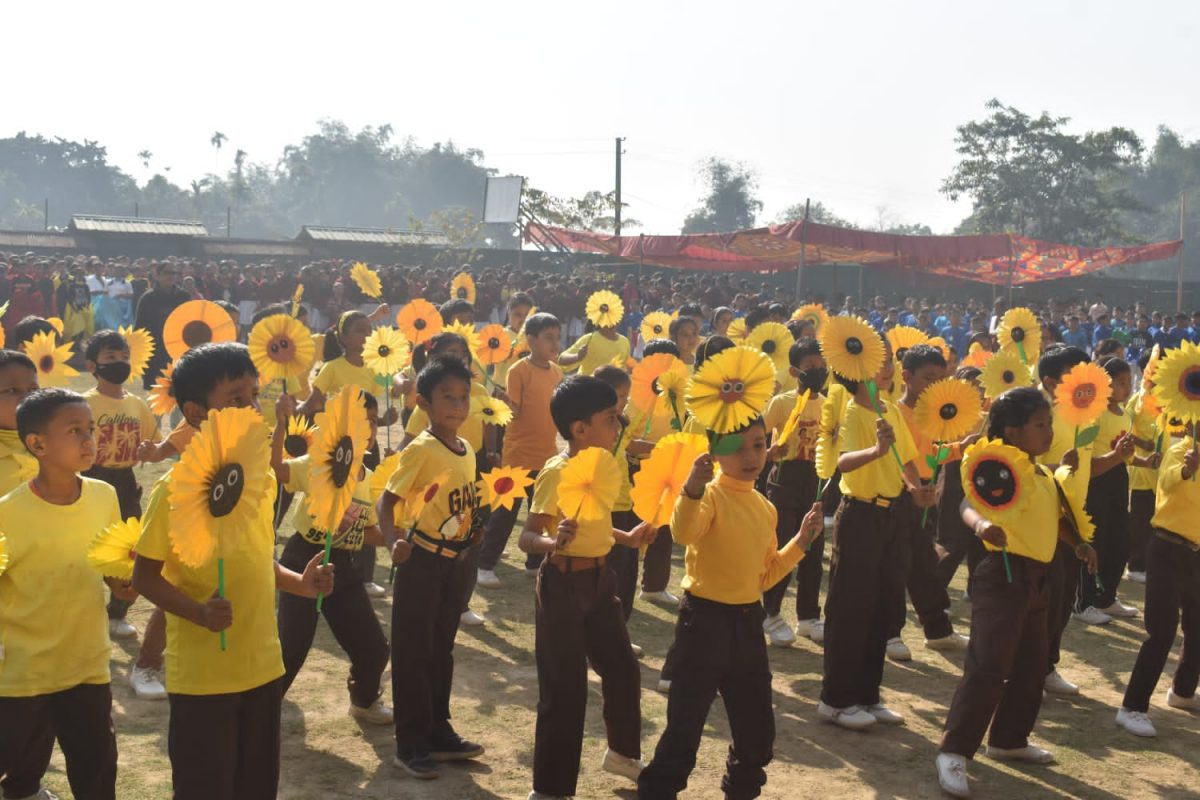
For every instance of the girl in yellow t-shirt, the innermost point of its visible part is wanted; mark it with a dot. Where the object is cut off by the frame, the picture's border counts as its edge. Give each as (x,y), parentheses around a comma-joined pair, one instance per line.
(601,346)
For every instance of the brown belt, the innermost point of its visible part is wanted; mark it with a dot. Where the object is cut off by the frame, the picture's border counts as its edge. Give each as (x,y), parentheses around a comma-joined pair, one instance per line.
(1175,538)
(576,563)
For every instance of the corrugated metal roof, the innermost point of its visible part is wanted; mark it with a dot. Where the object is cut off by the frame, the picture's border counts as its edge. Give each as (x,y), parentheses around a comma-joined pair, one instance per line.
(258,247)
(158,227)
(325,233)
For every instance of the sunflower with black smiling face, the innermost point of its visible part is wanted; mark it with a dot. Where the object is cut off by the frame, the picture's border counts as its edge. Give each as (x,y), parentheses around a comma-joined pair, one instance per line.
(281,347)
(997,480)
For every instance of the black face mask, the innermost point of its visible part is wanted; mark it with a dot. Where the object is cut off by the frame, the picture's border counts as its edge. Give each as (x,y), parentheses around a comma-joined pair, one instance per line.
(114,371)
(814,379)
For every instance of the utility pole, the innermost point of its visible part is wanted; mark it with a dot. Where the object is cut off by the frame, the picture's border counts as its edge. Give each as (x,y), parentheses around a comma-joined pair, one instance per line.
(617,210)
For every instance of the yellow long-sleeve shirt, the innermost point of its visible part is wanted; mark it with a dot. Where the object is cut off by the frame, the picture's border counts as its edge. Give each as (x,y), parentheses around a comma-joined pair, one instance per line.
(732,552)
(1177,506)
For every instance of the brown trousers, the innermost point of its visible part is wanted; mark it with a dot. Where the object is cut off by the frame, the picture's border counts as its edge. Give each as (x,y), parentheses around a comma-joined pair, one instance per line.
(1004,670)
(1141,511)
(919,563)
(656,564)
(1064,577)
(578,620)
(792,489)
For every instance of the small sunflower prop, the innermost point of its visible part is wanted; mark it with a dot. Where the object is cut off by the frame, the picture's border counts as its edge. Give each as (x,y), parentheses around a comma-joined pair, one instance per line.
(656,325)
(366,280)
(111,552)
(161,397)
(852,348)
(730,389)
(57,324)
(814,313)
(462,287)
(492,410)
(419,321)
(903,337)
(948,410)
(648,377)
(793,419)
(281,347)
(605,309)
(1019,330)
(1004,371)
(661,476)
(3,553)
(141,348)
(997,479)
(976,357)
(386,351)
(589,485)
(1082,395)
(299,437)
(1177,382)
(343,435)
(737,330)
(504,486)
(50,359)
(495,345)
(774,340)
(194,323)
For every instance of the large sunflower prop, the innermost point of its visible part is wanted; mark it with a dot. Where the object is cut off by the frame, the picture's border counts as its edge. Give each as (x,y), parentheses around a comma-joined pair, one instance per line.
(161,397)
(343,435)
(852,348)
(948,410)
(281,347)
(1019,330)
(419,321)
(299,437)
(141,348)
(903,337)
(492,410)
(1004,371)
(386,351)
(814,313)
(50,359)
(462,287)
(661,476)
(366,280)
(194,323)
(1082,394)
(998,480)
(504,486)
(111,552)
(730,389)
(605,309)
(495,345)
(1177,382)
(589,485)
(774,340)
(737,331)
(656,325)
(793,419)
(648,378)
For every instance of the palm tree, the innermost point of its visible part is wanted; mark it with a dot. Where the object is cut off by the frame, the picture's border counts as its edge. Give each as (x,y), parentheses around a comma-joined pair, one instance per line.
(216,141)
(145,156)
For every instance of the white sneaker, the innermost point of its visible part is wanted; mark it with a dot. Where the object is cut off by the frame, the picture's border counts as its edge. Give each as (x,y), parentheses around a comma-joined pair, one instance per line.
(955,642)
(637,650)
(42,794)
(952,774)
(486,578)
(120,629)
(1034,755)
(1092,616)
(816,631)
(374,589)
(885,715)
(471,619)
(536,795)
(664,686)
(621,765)
(378,713)
(854,718)
(1136,576)
(1057,684)
(777,631)
(1183,703)
(145,684)
(897,650)
(1136,722)
(1119,609)
(663,598)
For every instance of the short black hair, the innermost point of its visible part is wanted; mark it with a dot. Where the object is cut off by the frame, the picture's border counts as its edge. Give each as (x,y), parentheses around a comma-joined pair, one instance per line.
(690,310)
(711,346)
(11,358)
(1115,366)
(100,341)
(230,308)
(1013,409)
(657,346)
(272,310)
(39,407)
(756,317)
(923,355)
(578,399)
(1056,360)
(370,401)
(541,321)
(458,305)
(30,326)
(520,299)
(613,375)
(423,352)
(679,322)
(801,350)
(198,371)
(441,368)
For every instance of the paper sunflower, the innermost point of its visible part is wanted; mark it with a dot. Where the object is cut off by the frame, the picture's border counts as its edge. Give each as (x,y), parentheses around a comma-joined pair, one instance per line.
(3,553)
(976,357)
(852,348)
(814,313)
(419,321)
(998,480)
(467,332)
(141,348)
(493,410)
(730,389)
(774,340)
(161,397)
(648,375)
(605,309)
(386,351)
(793,419)
(903,337)
(194,323)
(335,460)
(496,345)
(1019,330)
(661,476)
(111,552)
(1004,371)
(504,486)
(57,324)
(656,325)
(589,485)
(281,347)
(948,410)
(1082,394)
(462,287)
(299,437)
(1078,515)
(219,485)
(737,330)
(381,475)
(1177,382)
(50,359)
(366,280)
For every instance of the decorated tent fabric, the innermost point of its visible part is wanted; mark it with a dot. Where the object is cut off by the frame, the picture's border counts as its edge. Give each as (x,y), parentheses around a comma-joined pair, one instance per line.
(1034,261)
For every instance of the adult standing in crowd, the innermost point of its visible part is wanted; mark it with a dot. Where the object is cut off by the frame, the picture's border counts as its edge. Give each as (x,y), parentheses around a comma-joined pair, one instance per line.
(152,311)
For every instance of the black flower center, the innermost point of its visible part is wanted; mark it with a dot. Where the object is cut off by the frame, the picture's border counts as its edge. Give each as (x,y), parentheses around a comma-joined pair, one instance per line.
(854,346)
(1190,384)
(1018,334)
(494,343)
(343,456)
(384,351)
(604,308)
(295,445)
(1007,376)
(768,346)
(196,333)
(46,364)
(419,324)
(948,411)
(225,490)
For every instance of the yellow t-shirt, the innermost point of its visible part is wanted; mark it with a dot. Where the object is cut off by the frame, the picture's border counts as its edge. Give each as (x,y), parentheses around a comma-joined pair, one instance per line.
(1037,535)
(802,445)
(121,425)
(832,410)
(600,351)
(53,624)
(593,539)
(883,476)
(448,513)
(1064,440)
(335,374)
(1177,504)
(624,501)
(732,553)
(1145,426)
(195,662)
(350,539)
(17,464)
(471,430)
(269,393)
(1113,425)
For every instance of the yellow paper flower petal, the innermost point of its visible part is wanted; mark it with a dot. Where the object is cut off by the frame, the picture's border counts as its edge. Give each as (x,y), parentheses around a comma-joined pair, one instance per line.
(1004,371)
(56,323)
(948,410)
(50,359)
(281,347)
(1084,524)
(1082,394)
(299,293)
(774,340)
(367,280)
(656,325)
(737,330)
(997,480)
(977,357)
(814,313)
(495,345)
(299,437)
(3,553)
(194,323)
(466,331)
(605,309)
(386,351)
(419,321)
(111,552)
(852,348)
(661,476)
(589,485)
(504,486)
(462,287)
(730,389)
(161,397)
(493,410)
(141,348)
(381,475)
(1019,326)
(1177,382)
(335,460)
(648,375)
(903,337)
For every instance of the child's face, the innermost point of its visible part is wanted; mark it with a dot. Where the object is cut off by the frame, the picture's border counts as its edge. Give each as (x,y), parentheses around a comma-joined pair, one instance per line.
(687,339)
(241,392)
(1122,387)
(109,355)
(623,395)
(448,405)
(747,462)
(599,430)
(807,363)
(721,322)
(917,380)
(883,379)
(546,345)
(16,383)
(69,440)
(354,335)
(1035,436)
(516,317)
(463,318)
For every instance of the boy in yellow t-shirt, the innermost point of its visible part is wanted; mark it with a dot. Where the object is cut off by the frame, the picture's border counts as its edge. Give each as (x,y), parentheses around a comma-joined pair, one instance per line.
(225,705)
(18,377)
(594,349)
(54,675)
(577,617)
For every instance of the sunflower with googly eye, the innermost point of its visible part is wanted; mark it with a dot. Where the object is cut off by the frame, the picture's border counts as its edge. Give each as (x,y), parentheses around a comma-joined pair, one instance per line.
(730,389)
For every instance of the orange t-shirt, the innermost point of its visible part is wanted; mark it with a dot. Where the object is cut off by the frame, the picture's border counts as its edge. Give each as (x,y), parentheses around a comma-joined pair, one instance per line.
(530,439)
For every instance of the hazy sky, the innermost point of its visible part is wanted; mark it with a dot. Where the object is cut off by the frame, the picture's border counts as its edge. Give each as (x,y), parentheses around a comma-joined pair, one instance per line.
(850,103)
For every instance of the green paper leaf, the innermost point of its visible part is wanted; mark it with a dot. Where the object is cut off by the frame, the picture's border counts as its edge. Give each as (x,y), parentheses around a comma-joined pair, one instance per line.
(932,461)
(383,380)
(675,426)
(1087,436)
(727,445)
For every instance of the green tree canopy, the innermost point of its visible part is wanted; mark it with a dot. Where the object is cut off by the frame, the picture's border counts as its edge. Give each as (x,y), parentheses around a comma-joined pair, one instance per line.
(730,203)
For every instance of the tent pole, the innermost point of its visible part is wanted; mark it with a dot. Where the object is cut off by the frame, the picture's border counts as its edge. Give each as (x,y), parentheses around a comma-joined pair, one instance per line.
(641,259)
(803,253)
(860,285)
(1179,277)
(1010,272)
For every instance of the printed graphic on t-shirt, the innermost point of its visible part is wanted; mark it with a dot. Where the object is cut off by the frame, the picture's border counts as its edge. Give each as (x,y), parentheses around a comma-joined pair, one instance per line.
(348,538)
(117,439)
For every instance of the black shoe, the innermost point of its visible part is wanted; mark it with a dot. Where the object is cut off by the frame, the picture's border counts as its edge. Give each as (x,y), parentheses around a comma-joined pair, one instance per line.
(452,747)
(417,764)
